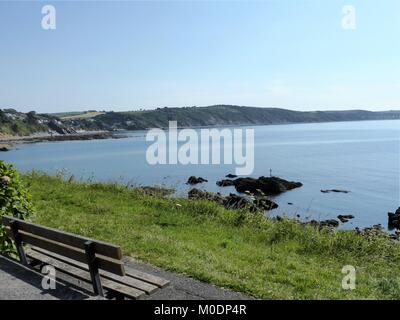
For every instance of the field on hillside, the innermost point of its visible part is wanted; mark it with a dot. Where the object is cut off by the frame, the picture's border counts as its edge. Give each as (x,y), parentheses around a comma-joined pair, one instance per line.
(79,115)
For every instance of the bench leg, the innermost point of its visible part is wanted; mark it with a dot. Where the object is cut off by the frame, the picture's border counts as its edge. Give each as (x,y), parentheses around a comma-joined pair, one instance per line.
(18,243)
(93,268)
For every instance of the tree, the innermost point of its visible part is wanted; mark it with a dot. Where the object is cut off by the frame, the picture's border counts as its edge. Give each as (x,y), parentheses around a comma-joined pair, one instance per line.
(31,117)
(14,201)
(3,117)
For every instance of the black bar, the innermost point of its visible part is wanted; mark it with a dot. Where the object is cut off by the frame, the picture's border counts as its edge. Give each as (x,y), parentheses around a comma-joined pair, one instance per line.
(18,242)
(93,268)
(145,309)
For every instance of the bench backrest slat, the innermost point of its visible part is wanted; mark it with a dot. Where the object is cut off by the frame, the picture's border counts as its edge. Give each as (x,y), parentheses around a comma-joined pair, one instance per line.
(69,239)
(112,266)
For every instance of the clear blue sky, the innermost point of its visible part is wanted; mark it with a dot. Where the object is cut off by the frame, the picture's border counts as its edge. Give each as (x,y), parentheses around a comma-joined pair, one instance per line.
(126,55)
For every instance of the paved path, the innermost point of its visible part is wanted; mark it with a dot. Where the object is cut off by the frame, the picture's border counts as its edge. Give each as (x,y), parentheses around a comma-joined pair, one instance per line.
(20,283)
(183,288)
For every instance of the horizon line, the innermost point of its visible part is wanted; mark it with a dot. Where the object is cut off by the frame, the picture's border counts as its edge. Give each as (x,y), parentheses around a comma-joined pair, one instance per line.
(142,109)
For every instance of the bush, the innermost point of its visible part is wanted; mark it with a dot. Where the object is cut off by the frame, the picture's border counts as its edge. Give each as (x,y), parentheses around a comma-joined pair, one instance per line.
(14,201)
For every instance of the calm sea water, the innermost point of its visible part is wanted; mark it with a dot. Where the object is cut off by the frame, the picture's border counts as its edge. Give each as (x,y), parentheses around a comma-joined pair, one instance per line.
(362,157)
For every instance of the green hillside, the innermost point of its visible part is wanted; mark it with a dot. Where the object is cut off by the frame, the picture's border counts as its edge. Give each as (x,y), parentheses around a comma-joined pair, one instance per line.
(18,123)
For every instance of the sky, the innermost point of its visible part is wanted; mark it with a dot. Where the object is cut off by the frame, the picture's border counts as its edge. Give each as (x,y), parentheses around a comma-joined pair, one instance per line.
(128,55)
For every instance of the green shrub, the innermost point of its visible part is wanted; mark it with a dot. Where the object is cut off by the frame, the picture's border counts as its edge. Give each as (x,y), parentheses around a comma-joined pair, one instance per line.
(14,201)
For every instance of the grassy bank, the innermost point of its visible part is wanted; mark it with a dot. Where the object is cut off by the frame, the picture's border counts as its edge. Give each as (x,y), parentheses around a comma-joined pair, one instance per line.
(233,249)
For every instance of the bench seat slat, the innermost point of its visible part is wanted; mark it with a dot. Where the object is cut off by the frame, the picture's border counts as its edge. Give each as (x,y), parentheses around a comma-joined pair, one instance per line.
(84,275)
(70,239)
(157,281)
(140,284)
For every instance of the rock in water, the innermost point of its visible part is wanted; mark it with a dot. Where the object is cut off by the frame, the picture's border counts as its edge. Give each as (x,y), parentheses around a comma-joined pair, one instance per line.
(225,183)
(334,190)
(196,180)
(345,217)
(262,185)
(394,219)
(233,201)
(203,194)
(330,223)
(230,175)
(264,203)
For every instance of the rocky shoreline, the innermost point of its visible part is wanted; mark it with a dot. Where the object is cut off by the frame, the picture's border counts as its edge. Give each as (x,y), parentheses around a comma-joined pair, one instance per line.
(8,142)
(234,201)
(256,191)
(255,199)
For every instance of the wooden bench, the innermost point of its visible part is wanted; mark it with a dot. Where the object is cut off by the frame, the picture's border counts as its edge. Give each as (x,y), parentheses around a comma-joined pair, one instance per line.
(88,260)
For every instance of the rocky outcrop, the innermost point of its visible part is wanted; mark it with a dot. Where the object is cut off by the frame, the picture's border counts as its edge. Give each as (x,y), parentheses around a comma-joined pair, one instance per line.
(330,223)
(60,128)
(334,190)
(345,217)
(156,190)
(265,203)
(262,185)
(394,219)
(234,201)
(206,195)
(196,180)
(230,175)
(376,231)
(225,183)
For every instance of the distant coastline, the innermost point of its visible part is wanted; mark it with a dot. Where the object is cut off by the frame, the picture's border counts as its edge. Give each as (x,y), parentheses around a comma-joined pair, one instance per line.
(7,142)
(212,116)
(19,127)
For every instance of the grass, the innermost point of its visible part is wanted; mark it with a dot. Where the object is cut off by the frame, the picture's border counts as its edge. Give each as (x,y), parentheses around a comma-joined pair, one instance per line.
(83,115)
(237,250)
